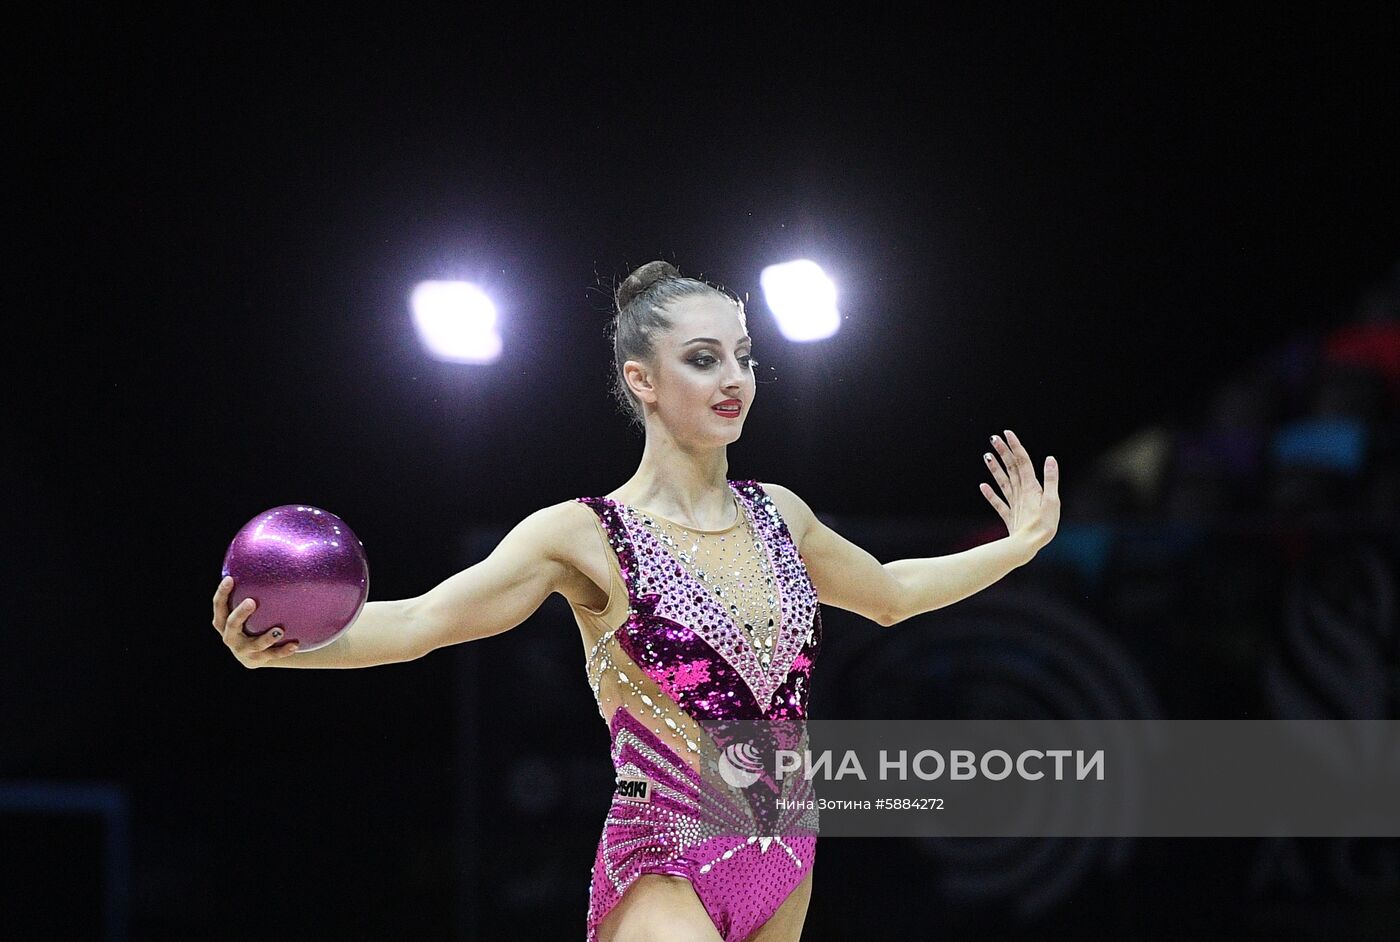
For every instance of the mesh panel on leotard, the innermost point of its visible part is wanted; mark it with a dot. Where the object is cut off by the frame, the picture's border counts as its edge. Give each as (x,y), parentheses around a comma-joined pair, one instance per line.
(684,638)
(731,568)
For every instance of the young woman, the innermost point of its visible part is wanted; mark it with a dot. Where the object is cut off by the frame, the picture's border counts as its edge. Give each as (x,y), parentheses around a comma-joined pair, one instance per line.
(696,599)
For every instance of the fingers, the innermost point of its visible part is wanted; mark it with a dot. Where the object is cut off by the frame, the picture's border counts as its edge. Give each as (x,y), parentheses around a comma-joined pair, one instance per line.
(232,627)
(998,474)
(237,627)
(1010,481)
(257,649)
(221,603)
(997,504)
(230,623)
(267,639)
(1025,468)
(251,650)
(1019,476)
(262,648)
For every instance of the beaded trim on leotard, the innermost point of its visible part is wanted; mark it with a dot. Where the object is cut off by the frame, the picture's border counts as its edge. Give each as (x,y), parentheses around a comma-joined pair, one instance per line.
(681,657)
(695,626)
(732,566)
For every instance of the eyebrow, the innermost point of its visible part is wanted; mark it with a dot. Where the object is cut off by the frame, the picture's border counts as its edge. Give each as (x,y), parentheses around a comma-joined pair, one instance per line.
(712,340)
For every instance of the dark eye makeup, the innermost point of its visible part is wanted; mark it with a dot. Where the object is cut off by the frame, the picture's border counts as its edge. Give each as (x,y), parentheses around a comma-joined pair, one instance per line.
(705,360)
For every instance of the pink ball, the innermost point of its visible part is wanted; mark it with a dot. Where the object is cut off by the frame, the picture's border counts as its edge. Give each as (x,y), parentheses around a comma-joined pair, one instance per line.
(305,570)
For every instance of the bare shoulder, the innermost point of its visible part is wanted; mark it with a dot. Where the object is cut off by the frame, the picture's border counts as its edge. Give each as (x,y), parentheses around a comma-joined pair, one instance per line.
(794,510)
(568,529)
(562,536)
(582,553)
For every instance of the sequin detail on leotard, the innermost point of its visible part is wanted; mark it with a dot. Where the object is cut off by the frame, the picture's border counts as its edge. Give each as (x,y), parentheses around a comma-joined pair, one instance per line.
(680,658)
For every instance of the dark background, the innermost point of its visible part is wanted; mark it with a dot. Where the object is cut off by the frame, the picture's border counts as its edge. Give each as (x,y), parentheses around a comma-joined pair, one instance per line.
(1072,224)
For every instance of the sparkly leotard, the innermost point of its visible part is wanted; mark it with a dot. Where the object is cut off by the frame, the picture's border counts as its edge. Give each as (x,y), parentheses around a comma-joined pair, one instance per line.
(680,657)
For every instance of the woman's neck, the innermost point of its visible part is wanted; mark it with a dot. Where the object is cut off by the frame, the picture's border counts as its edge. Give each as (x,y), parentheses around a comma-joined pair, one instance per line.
(686,486)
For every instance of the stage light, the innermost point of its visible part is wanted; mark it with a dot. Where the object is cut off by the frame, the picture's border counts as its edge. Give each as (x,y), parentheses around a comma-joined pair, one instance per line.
(456,322)
(802,299)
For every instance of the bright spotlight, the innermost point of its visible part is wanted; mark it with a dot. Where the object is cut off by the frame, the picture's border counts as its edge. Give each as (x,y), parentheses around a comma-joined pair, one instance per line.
(802,298)
(456,322)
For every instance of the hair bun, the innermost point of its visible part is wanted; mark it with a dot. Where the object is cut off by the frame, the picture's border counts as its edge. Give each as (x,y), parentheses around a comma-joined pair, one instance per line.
(642,279)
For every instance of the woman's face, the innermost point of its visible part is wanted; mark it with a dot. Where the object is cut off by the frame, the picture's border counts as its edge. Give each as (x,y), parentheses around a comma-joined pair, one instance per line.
(702,362)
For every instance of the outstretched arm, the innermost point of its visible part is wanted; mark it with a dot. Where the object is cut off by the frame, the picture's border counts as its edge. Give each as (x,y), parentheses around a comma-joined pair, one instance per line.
(488,598)
(1031,515)
(502,590)
(848,577)
(843,574)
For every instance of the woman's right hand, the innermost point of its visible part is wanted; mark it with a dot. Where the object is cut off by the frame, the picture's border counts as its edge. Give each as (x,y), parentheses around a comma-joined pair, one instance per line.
(251,651)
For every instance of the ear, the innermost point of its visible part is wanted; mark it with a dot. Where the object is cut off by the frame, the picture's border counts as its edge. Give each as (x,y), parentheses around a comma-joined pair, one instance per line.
(638,378)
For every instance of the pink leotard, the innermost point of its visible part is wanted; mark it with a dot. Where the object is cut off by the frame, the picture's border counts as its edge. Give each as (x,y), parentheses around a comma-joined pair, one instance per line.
(679,658)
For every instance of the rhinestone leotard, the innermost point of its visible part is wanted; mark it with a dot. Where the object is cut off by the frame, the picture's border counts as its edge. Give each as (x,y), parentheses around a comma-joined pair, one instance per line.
(720,625)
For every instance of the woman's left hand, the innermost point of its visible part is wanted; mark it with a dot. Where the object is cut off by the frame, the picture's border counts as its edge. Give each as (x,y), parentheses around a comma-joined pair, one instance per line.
(1030,512)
